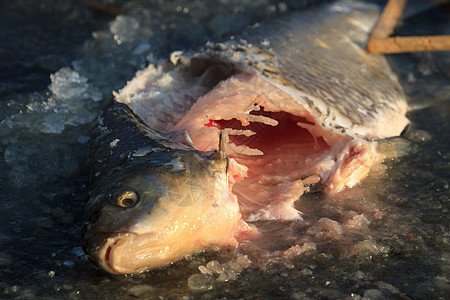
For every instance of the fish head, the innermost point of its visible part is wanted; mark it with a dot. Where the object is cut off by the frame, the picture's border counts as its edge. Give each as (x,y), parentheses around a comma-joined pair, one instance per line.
(160,209)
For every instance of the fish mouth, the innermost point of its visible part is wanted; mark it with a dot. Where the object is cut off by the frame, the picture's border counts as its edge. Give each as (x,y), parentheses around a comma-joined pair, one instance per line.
(122,252)
(128,252)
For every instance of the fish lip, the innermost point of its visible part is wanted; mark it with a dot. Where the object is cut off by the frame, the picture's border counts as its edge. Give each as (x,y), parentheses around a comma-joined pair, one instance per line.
(107,256)
(105,252)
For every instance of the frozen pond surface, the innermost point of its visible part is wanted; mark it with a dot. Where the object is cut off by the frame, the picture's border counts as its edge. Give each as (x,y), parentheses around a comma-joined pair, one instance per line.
(60,62)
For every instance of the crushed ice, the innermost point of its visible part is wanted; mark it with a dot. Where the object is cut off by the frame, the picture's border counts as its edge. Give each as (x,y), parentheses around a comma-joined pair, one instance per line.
(214,271)
(71,102)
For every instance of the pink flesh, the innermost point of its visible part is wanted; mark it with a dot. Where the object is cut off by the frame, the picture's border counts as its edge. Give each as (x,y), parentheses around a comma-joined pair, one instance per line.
(271,176)
(287,145)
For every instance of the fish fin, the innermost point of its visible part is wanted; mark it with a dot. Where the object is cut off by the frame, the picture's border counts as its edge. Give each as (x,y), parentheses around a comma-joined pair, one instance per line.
(395,147)
(179,136)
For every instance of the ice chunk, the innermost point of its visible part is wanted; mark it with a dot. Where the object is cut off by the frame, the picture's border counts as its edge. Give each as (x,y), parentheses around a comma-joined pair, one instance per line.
(358,222)
(67,83)
(72,101)
(326,229)
(298,250)
(227,275)
(78,251)
(368,248)
(243,261)
(215,267)
(205,270)
(234,266)
(220,272)
(200,282)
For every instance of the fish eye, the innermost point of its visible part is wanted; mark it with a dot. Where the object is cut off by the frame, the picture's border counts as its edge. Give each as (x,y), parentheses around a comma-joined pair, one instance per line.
(125,199)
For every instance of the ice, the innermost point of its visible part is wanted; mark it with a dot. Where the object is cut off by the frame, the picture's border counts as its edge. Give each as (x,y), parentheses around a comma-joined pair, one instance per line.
(11,155)
(200,282)
(141,49)
(5,259)
(243,261)
(227,275)
(214,271)
(234,266)
(388,287)
(205,270)
(124,28)
(83,139)
(358,222)
(78,251)
(215,267)
(325,229)
(373,294)
(68,263)
(53,123)
(368,248)
(67,84)
(298,250)
(44,223)
(72,102)
(141,290)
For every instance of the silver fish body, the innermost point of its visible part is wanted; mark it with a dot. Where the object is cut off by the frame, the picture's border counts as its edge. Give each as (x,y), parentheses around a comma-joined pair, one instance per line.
(298,97)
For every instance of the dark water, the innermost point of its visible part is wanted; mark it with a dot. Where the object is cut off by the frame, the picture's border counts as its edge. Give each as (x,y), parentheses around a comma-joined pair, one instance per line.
(61,60)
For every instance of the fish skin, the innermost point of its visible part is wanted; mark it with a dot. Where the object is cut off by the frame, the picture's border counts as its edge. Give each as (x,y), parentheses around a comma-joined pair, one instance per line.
(314,70)
(121,135)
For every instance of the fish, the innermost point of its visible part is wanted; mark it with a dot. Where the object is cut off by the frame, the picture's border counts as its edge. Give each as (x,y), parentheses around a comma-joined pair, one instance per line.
(193,150)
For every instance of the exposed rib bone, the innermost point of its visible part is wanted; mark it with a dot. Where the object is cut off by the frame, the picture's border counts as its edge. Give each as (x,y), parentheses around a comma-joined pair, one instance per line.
(245,132)
(307,126)
(242,149)
(245,119)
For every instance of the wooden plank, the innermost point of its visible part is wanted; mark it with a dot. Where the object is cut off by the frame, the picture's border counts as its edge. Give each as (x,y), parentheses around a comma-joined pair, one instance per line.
(408,44)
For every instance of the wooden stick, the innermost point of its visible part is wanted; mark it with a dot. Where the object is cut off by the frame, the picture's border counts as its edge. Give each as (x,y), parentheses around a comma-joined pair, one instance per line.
(408,44)
(388,19)
(380,42)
